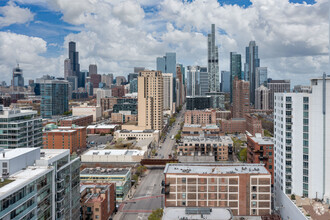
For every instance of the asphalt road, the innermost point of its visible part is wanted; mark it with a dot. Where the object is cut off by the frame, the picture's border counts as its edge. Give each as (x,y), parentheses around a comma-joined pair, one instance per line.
(148,195)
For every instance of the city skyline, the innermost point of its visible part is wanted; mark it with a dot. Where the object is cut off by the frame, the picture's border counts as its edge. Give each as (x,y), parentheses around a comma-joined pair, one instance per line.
(142,31)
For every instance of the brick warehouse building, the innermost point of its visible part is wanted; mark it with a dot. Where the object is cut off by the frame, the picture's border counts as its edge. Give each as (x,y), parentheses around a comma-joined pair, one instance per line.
(82,120)
(261,150)
(244,188)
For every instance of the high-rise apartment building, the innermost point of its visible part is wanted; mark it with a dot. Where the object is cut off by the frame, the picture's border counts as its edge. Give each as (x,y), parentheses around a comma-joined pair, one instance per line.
(73,81)
(19,128)
(203,80)
(213,62)
(54,96)
(132,76)
(302,149)
(40,184)
(261,76)
(107,79)
(225,81)
(241,98)
(18,79)
(235,70)
(180,88)
(277,86)
(262,98)
(150,96)
(193,81)
(244,188)
(168,91)
(252,61)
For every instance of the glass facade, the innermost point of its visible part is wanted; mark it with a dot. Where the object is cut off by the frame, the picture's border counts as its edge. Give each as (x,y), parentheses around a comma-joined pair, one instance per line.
(235,70)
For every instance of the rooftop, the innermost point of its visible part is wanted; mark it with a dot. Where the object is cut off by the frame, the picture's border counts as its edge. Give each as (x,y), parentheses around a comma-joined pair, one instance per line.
(102,171)
(262,140)
(71,118)
(207,139)
(215,168)
(196,213)
(137,131)
(211,126)
(102,126)
(12,153)
(115,152)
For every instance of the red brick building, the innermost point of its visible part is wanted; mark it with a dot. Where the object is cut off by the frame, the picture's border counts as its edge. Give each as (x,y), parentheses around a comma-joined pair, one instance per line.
(241,98)
(234,125)
(98,201)
(118,91)
(83,120)
(261,150)
(72,138)
(253,124)
(200,117)
(101,129)
(95,80)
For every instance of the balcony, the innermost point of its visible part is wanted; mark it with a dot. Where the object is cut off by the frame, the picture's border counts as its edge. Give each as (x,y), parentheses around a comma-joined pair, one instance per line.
(261,157)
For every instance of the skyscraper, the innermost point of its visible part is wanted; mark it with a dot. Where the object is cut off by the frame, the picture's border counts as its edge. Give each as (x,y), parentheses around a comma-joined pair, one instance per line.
(277,86)
(241,98)
(168,91)
(213,62)
(252,62)
(54,96)
(150,96)
(261,76)
(235,70)
(302,149)
(193,83)
(92,69)
(262,98)
(67,68)
(18,79)
(74,59)
(225,81)
(204,80)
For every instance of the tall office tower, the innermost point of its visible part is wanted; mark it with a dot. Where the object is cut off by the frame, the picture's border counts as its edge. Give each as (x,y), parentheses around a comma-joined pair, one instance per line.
(180,92)
(261,76)
(193,83)
(67,68)
(277,86)
(167,64)
(213,62)
(150,96)
(39,184)
(132,76)
(262,98)
(18,79)
(92,69)
(107,79)
(168,91)
(29,133)
(235,70)
(204,80)
(138,69)
(302,142)
(73,80)
(54,96)
(74,59)
(225,81)
(82,78)
(102,93)
(241,98)
(252,61)
(120,80)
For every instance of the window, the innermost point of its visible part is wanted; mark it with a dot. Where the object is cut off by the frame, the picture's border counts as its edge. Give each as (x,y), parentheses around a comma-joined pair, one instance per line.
(254,204)
(183,195)
(254,188)
(253,212)
(254,196)
(97,217)
(96,209)
(183,180)
(270,167)
(184,203)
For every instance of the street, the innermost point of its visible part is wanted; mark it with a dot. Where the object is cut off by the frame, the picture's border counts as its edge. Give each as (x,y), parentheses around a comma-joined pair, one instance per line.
(148,195)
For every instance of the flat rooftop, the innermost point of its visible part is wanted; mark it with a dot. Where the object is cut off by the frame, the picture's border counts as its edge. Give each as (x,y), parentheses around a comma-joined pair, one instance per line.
(115,152)
(12,153)
(71,118)
(262,140)
(211,139)
(105,171)
(102,126)
(210,213)
(137,131)
(215,168)
(22,178)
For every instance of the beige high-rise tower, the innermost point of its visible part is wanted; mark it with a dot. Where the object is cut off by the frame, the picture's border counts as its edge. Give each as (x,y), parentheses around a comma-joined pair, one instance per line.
(150,100)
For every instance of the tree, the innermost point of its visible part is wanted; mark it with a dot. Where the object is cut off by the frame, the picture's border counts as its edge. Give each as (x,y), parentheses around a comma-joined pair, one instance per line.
(156,214)
(140,170)
(243,154)
(172,120)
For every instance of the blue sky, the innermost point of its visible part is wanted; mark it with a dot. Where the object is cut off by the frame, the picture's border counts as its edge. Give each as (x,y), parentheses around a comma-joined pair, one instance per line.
(133,33)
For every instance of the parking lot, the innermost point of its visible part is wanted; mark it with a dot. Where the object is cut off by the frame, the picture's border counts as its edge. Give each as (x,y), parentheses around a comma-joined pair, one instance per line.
(95,139)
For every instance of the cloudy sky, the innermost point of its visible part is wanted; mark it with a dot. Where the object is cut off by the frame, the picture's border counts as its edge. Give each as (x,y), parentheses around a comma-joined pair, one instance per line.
(292,35)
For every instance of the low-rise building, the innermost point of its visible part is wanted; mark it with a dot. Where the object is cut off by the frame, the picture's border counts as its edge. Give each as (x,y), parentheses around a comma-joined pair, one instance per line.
(123,117)
(203,146)
(120,176)
(234,125)
(223,115)
(136,134)
(97,201)
(208,130)
(253,124)
(244,188)
(113,156)
(102,129)
(261,150)
(85,109)
(200,117)
(196,213)
(39,184)
(82,120)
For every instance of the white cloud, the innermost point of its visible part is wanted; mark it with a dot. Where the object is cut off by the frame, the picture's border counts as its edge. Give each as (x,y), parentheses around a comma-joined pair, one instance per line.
(13,14)
(293,39)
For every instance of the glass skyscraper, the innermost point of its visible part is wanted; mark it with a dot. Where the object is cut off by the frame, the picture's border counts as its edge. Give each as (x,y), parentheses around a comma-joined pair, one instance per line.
(235,70)
(54,96)
(225,81)
(193,81)
(252,62)
(18,79)
(213,62)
